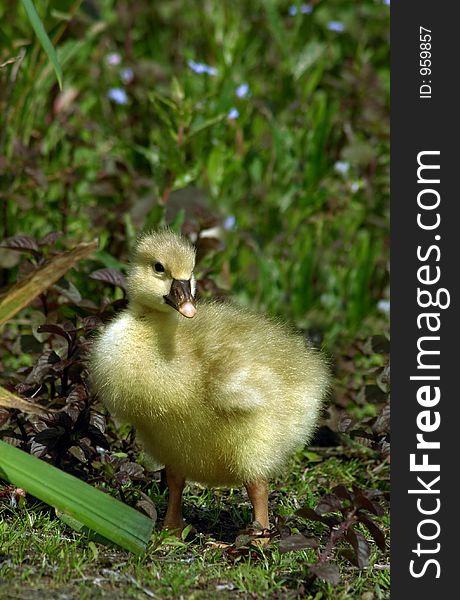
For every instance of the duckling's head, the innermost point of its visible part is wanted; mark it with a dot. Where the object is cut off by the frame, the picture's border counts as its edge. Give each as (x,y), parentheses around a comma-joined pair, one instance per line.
(161,273)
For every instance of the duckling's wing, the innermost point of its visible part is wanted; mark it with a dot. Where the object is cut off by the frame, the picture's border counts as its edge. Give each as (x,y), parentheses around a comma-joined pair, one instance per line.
(242,388)
(251,362)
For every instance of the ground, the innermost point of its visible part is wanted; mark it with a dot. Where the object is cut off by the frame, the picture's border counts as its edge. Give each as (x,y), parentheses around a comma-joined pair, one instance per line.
(41,557)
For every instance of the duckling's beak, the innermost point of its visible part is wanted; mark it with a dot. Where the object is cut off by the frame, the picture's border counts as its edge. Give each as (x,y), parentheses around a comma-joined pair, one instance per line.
(180,297)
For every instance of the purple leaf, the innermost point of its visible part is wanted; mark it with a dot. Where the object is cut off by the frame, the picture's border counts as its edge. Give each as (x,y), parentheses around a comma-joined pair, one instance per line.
(297,542)
(23,243)
(43,367)
(98,421)
(344,424)
(67,289)
(80,452)
(128,471)
(328,503)
(92,322)
(49,437)
(374,530)
(60,419)
(82,420)
(50,238)
(63,364)
(360,546)
(111,276)
(382,423)
(77,394)
(37,449)
(97,437)
(361,500)
(342,492)
(148,507)
(326,571)
(309,513)
(56,329)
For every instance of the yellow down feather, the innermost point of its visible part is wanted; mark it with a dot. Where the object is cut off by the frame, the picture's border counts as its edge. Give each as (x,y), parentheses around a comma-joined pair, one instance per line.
(225,397)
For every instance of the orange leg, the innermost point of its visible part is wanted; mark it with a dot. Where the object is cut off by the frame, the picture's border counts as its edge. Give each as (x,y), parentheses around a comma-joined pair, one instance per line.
(258,495)
(173,519)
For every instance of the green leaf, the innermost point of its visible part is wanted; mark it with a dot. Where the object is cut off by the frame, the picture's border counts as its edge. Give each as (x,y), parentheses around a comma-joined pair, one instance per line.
(43,38)
(313,456)
(276,26)
(100,512)
(185,179)
(82,529)
(312,52)
(216,167)
(203,125)
(179,220)
(108,260)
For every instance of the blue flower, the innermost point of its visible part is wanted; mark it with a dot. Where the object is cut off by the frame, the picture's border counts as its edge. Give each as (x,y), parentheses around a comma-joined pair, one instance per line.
(305,9)
(127,75)
(384,306)
(387,2)
(197,67)
(118,95)
(342,167)
(201,68)
(233,114)
(355,186)
(336,26)
(113,59)
(242,90)
(229,222)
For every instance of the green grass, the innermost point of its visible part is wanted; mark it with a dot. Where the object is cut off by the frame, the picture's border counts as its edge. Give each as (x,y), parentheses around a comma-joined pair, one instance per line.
(40,554)
(310,242)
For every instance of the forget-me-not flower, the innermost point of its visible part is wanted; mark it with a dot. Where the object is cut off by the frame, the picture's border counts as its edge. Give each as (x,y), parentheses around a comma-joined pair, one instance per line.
(229,222)
(233,114)
(242,90)
(384,306)
(342,167)
(336,26)
(201,68)
(113,59)
(305,9)
(118,95)
(127,75)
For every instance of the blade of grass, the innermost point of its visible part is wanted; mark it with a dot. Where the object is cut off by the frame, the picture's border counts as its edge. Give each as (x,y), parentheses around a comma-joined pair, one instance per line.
(277,27)
(196,129)
(43,38)
(110,518)
(22,294)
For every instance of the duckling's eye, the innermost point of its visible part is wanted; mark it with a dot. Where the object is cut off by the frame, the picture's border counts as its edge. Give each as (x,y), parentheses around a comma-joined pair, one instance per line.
(159,268)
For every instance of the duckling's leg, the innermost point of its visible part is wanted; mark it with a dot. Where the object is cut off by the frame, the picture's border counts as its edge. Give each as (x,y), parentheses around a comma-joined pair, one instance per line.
(173,518)
(258,495)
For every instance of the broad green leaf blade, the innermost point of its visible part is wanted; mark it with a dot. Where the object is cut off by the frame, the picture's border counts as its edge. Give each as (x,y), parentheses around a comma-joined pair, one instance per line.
(43,38)
(22,294)
(82,529)
(110,518)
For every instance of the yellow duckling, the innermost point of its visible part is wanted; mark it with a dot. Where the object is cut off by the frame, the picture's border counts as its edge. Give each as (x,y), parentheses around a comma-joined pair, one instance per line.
(218,394)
